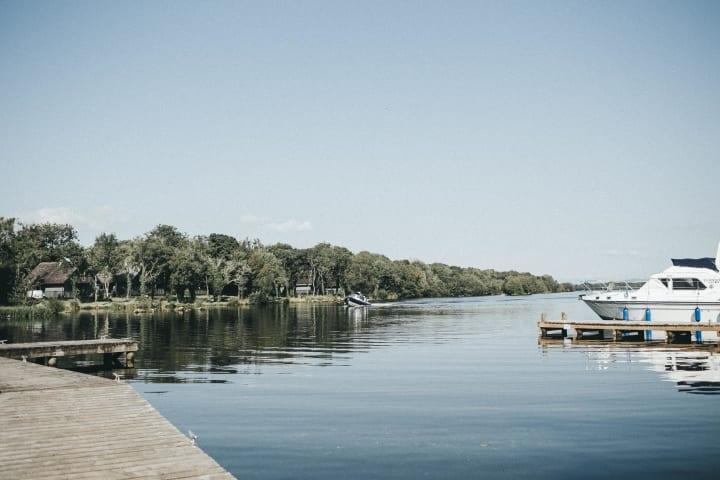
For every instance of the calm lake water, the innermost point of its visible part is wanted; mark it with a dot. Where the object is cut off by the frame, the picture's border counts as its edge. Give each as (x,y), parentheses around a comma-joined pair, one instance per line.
(441,388)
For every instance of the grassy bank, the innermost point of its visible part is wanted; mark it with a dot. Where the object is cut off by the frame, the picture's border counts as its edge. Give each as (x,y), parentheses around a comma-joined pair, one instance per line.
(318,299)
(38,311)
(51,307)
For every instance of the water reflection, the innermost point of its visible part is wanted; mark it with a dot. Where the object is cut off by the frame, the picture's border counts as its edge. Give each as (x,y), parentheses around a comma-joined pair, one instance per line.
(694,369)
(695,372)
(442,388)
(212,346)
(201,344)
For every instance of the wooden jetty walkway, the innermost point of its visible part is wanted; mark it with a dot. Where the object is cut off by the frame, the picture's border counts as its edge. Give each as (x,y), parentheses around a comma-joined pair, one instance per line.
(105,346)
(622,330)
(58,424)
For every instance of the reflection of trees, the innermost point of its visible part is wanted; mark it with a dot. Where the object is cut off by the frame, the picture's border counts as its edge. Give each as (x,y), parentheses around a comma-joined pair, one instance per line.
(212,340)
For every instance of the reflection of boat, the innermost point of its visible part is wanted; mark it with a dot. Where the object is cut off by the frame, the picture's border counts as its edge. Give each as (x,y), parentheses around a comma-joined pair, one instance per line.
(688,291)
(357,315)
(356,300)
(692,371)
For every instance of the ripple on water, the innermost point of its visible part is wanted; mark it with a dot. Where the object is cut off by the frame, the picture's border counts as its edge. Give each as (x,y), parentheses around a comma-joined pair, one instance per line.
(441,388)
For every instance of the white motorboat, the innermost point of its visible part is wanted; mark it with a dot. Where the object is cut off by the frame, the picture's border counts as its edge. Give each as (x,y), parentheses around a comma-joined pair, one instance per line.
(688,291)
(356,300)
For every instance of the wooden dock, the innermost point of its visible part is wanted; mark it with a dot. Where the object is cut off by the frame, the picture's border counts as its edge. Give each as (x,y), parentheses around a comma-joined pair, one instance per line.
(58,424)
(622,330)
(110,348)
(106,346)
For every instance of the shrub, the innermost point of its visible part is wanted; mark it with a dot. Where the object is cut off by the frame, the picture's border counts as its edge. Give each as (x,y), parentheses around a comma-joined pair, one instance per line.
(54,305)
(233,302)
(382,294)
(258,298)
(118,306)
(144,303)
(73,305)
(26,312)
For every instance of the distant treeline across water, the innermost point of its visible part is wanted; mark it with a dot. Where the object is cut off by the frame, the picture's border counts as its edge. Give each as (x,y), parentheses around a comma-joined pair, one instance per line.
(169,262)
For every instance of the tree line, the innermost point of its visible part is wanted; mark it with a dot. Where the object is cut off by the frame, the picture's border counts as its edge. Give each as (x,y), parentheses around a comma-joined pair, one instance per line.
(168,262)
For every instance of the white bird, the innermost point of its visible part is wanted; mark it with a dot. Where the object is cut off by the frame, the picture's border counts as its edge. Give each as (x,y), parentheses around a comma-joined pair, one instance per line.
(24,358)
(193,437)
(117,377)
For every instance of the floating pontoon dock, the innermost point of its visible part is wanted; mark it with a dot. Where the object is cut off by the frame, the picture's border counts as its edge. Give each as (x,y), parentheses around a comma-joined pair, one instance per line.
(58,424)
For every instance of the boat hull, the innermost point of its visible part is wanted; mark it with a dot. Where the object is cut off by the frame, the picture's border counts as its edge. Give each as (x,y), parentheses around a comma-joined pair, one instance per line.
(670,312)
(659,311)
(356,301)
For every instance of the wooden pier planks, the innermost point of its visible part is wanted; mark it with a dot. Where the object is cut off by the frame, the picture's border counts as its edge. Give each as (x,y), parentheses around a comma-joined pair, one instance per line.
(71,347)
(623,325)
(58,424)
(621,329)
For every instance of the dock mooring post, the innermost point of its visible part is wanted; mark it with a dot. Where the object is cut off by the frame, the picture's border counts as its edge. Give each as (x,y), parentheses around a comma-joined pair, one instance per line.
(129,359)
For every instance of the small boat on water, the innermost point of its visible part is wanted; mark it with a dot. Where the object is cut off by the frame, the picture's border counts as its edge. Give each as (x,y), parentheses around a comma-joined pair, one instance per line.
(356,300)
(688,291)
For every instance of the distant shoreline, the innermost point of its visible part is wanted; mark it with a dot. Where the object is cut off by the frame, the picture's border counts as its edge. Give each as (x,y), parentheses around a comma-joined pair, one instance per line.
(137,306)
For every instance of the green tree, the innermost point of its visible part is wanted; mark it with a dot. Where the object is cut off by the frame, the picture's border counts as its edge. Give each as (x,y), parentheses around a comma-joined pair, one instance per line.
(130,266)
(268,274)
(293,261)
(369,273)
(321,264)
(239,272)
(222,246)
(7,259)
(514,285)
(161,244)
(150,259)
(186,272)
(104,258)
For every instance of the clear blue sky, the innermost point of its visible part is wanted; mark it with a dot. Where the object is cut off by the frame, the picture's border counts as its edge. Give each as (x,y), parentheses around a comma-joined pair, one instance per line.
(580,139)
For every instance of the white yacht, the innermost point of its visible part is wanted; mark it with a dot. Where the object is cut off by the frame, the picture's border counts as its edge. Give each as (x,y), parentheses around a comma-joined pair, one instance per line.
(688,291)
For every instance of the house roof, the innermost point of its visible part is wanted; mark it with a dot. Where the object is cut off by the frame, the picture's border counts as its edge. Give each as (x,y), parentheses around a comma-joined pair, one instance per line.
(51,272)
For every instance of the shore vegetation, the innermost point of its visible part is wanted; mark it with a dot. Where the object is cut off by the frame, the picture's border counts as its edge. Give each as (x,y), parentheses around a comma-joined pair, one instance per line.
(168,267)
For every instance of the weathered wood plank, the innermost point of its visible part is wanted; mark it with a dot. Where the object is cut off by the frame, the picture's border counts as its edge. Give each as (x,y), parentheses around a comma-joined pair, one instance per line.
(630,326)
(53,429)
(69,347)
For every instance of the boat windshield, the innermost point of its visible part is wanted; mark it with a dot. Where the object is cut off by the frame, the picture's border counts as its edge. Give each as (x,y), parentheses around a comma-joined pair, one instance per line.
(688,284)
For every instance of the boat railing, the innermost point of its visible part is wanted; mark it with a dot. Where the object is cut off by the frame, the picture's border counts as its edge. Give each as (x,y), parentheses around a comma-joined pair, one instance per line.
(607,287)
